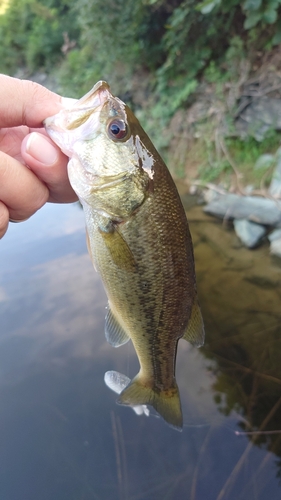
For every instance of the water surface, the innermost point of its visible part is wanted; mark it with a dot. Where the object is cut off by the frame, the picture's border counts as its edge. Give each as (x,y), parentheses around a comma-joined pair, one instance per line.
(62,437)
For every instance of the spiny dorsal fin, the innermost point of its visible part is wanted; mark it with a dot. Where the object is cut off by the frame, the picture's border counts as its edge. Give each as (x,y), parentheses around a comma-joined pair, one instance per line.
(195,332)
(114,333)
(119,249)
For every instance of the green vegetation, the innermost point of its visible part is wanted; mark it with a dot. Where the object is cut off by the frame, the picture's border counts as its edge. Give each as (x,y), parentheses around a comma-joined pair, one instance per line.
(31,33)
(169,49)
(240,158)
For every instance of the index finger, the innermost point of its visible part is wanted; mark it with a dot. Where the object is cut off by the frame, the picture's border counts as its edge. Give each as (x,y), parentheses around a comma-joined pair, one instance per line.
(24,102)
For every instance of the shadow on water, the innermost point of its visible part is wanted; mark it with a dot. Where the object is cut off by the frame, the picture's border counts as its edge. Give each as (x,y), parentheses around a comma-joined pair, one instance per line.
(61,434)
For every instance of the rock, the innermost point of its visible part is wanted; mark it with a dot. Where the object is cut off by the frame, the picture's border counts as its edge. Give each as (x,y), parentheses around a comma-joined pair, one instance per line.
(264,161)
(210,195)
(275,235)
(275,247)
(259,115)
(275,185)
(248,232)
(253,208)
(275,242)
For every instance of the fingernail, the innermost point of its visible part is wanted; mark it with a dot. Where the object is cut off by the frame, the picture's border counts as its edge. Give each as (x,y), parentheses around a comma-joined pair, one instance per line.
(41,149)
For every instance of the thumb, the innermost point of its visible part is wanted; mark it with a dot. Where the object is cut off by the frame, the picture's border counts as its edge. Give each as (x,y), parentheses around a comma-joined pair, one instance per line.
(49,164)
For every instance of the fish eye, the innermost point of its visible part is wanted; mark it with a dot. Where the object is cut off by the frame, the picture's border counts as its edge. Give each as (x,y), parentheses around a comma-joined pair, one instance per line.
(117,129)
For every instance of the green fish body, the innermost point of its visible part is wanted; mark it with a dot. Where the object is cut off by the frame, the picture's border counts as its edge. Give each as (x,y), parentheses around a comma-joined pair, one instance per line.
(138,238)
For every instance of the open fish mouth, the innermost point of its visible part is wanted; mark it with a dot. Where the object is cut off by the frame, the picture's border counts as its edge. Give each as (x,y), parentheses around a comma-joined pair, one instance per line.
(82,117)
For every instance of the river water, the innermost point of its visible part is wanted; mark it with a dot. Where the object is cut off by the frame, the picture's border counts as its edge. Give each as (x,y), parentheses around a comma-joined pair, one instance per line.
(62,436)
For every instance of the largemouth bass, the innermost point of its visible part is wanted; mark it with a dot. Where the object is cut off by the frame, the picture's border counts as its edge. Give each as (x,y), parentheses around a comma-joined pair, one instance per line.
(138,238)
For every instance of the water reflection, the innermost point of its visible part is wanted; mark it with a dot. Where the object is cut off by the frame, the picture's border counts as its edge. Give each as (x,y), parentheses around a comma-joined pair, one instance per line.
(63,437)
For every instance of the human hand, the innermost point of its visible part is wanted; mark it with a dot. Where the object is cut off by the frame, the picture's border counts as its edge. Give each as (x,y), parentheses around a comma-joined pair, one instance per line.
(32,168)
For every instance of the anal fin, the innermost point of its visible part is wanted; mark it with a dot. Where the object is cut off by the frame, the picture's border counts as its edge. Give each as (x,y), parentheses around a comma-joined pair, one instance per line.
(195,332)
(114,333)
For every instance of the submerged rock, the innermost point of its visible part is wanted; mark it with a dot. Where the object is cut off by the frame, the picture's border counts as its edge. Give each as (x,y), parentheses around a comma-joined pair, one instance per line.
(253,208)
(249,232)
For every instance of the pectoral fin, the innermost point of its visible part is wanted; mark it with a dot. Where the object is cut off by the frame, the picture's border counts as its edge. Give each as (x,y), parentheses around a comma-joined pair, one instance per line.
(119,249)
(114,333)
(89,249)
(195,332)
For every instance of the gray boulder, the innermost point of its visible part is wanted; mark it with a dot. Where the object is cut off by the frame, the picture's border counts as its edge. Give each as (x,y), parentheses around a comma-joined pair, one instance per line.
(249,232)
(275,242)
(259,115)
(253,208)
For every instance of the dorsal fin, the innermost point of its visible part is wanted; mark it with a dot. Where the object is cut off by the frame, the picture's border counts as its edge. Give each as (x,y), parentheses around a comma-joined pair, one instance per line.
(114,333)
(195,332)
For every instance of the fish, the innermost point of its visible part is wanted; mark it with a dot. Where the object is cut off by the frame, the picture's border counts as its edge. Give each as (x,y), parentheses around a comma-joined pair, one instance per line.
(138,238)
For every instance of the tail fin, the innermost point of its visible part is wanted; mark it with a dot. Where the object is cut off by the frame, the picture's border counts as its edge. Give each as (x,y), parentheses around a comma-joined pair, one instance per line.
(166,403)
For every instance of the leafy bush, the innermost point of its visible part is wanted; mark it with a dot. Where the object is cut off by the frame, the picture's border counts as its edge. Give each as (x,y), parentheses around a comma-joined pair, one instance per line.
(175,41)
(178,43)
(31,33)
